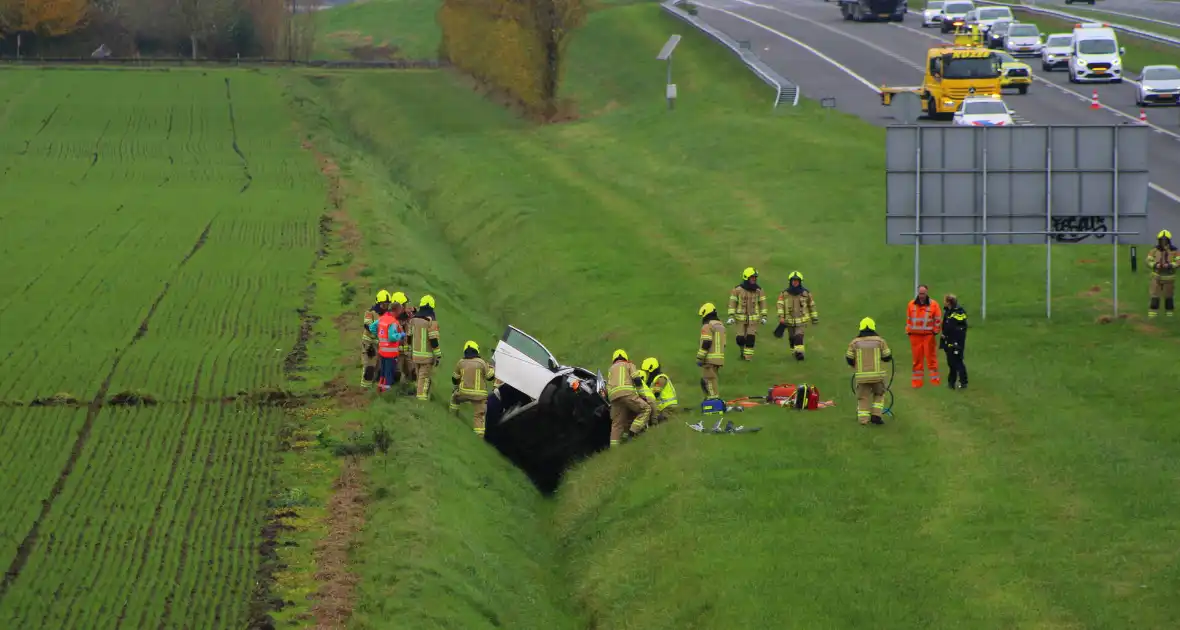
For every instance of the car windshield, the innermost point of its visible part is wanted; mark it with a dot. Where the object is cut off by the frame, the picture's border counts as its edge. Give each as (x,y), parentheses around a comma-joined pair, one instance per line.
(958,7)
(1006,58)
(1060,41)
(999,28)
(1162,74)
(1023,30)
(971,68)
(985,107)
(992,14)
(1096,47)
(935,5)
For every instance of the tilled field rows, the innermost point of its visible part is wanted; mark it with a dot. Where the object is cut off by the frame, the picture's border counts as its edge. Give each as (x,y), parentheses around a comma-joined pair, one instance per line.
(156,233)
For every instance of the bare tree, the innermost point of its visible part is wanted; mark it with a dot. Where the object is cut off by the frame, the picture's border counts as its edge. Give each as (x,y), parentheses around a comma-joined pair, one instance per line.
(202,18)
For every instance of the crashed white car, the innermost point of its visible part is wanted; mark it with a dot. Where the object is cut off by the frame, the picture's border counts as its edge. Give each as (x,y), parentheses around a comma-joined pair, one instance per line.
(1159,85)
(983,111)
(543,415)
(1055,54)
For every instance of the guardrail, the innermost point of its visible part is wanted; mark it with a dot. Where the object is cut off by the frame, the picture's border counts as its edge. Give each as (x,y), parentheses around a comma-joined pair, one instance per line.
(1142,34)
(785,91)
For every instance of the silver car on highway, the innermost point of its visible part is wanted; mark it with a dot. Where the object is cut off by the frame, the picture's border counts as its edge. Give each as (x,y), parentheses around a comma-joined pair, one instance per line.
(1056,52)
(1159,85)
(932,14)
(1023,39)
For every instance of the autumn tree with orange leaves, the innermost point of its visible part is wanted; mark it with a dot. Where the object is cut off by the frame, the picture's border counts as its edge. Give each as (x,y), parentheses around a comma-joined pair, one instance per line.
(46,18)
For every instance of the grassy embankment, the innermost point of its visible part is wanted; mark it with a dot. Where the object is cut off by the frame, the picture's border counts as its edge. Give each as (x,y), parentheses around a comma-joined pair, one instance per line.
(1045,495)
(401,29)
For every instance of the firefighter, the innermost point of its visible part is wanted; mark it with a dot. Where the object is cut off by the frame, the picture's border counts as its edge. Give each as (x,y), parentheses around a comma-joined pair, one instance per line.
(954,341)
(405,365)
(663,393)
(425,351)
(747,306)
(867,354)
(389,336)
(622,390)
(923,324)
(471,378)
(795,308)
(1163,260)
(711,352)
(369,338)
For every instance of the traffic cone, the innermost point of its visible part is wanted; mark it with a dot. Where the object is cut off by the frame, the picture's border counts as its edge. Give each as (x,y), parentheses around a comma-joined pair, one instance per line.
(1094,100)
(1142,115)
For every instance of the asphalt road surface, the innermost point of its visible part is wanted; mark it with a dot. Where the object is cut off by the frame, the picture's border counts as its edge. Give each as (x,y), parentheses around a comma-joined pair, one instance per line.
(808,42)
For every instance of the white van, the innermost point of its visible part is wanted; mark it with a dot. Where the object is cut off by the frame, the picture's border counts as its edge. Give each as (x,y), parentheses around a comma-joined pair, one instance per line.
(1095,54)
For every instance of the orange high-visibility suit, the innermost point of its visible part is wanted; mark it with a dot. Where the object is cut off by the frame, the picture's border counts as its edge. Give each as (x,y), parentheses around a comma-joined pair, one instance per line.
(924,323)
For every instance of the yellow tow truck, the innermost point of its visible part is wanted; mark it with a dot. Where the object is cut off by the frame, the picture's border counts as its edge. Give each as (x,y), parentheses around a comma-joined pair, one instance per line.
(953,72)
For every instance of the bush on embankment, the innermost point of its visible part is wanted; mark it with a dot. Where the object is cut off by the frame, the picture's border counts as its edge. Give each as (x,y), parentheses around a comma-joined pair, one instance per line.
(1017,502)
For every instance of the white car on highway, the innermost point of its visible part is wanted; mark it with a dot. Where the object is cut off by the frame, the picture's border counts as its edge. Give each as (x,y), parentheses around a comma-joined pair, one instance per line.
(983,111)
(1159,85)
(1096,54)
(986,16)
(932,14)
(1056,51)
(1023,39)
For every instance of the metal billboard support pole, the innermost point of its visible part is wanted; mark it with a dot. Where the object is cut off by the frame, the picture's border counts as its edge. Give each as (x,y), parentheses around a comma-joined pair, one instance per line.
(917,207)
(1114,286)
(983,262)
(1048,222)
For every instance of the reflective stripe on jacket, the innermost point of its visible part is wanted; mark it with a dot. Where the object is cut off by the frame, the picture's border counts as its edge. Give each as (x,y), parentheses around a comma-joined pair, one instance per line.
(421,332)
(474,374)
(1157,256)
(745,305)
(869,354)
(389,336)
(665,393)
(713,331)
(796,310)
(923,320)
(619,380)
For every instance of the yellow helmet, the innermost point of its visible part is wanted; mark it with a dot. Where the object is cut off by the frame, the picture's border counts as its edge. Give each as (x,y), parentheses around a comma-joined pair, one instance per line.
(706,308)
(427,300)
(470,345)
(868,324)
(795,274)
(1164,234)
(619,354)
(650,364)
(749,271)
(398,298)
(383,296)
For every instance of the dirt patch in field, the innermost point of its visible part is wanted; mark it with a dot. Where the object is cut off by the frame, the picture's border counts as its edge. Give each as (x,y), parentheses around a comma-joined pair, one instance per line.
(346,517)
(133,399)
(263,601)
(56,400)
(347,397)
(368,52)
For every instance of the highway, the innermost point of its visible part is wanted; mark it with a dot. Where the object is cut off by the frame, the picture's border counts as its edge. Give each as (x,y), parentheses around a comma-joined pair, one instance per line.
(808,42)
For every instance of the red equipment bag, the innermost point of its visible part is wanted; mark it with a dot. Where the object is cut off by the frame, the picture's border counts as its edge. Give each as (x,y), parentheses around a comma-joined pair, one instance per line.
(801,396)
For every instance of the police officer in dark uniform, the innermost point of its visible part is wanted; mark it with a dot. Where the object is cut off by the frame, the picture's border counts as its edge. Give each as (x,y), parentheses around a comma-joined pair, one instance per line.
(954,340)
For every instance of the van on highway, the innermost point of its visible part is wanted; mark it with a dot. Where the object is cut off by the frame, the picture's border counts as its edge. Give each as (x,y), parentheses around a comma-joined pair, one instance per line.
(954,14)
(1095,54)
(986,16)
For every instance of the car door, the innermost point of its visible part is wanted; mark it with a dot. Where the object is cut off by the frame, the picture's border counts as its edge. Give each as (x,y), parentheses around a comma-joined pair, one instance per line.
(524,363)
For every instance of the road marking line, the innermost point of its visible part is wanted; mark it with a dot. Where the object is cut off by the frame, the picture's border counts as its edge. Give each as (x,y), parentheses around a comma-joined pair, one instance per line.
(840,66)
(845,69)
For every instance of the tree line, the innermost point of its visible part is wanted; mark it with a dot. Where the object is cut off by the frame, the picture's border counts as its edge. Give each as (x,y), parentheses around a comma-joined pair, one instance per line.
(196,29)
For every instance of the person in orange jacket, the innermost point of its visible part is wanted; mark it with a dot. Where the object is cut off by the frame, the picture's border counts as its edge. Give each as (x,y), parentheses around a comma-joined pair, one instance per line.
(923,325)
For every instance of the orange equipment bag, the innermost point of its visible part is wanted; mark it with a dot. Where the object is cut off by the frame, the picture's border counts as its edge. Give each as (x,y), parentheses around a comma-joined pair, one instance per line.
(801,396)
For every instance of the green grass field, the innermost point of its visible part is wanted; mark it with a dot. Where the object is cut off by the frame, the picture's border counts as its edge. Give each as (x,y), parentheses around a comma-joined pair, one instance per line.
(402,29)
(1040,498)
(158,229)
(1043,497)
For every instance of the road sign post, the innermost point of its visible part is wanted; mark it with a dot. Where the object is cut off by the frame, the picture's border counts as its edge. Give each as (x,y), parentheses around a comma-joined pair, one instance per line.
(980,186)
(666,55)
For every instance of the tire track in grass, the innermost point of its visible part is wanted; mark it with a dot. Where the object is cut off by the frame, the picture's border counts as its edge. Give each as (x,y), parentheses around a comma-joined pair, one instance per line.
(25,549)
(94,156)
(165,494)
(233,128)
